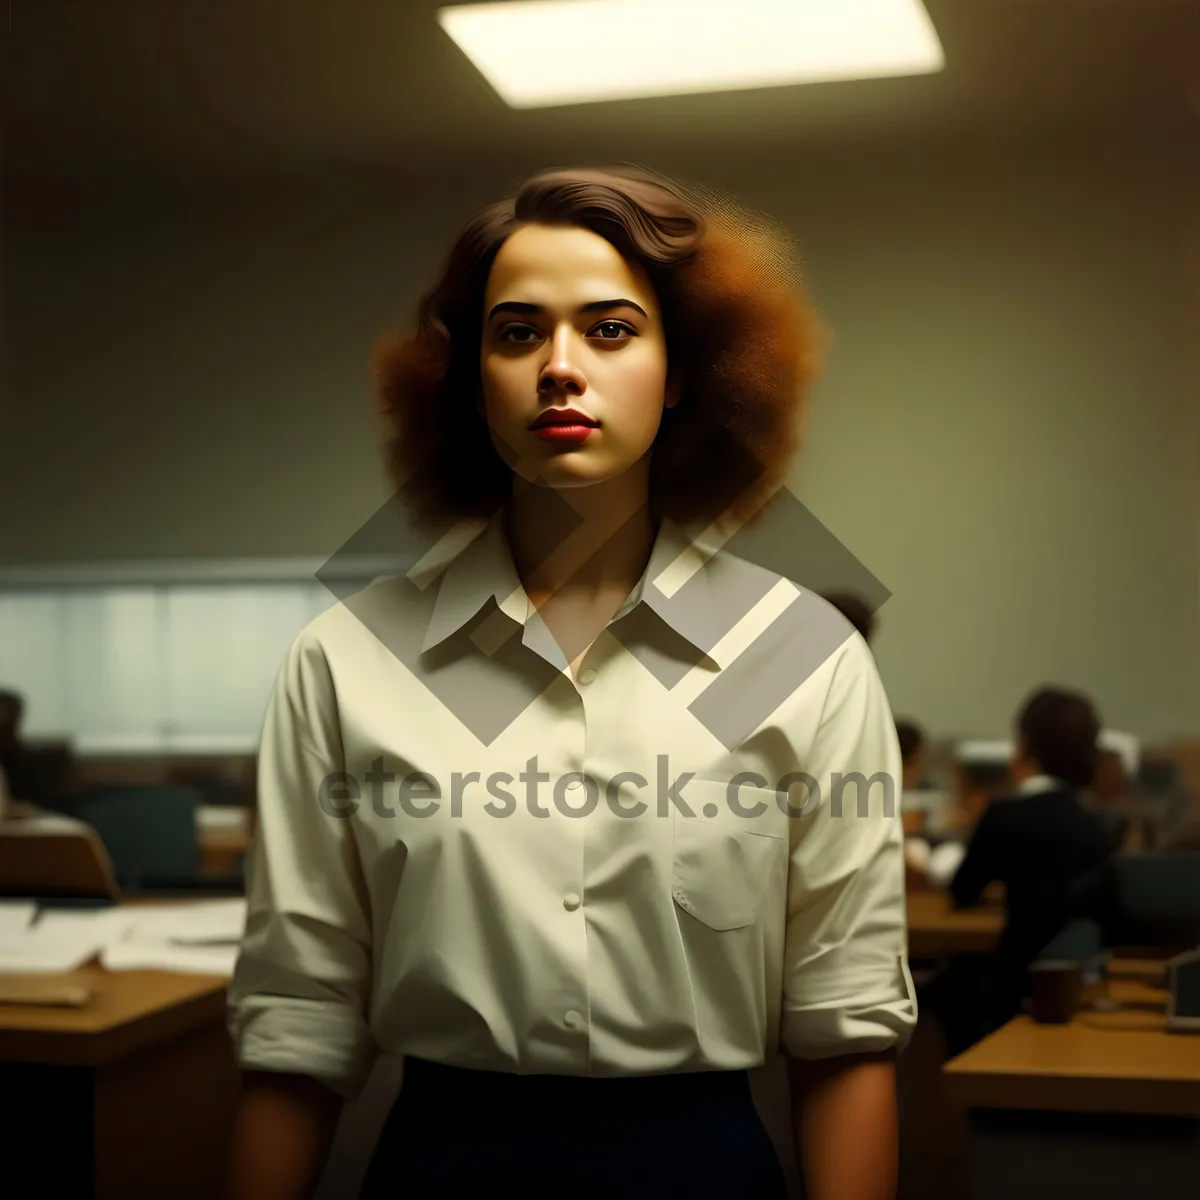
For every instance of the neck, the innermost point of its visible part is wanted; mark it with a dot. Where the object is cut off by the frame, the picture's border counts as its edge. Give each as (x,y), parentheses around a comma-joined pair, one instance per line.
(1023,769)
(607,552)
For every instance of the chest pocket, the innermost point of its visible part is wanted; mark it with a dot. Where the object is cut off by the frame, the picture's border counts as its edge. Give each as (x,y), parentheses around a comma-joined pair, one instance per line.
(722,862)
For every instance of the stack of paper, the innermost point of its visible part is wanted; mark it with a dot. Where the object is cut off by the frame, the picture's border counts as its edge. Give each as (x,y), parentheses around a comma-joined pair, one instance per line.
(27,954)
(201,938)
(60,941)
(199,923)
(222,816)
(16,916)
(167,956)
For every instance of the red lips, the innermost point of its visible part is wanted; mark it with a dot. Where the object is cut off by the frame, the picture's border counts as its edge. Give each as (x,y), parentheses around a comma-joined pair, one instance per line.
(563,426)
(562,416)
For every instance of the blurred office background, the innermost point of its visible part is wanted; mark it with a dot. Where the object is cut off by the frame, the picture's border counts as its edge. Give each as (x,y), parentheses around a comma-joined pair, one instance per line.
(212,210)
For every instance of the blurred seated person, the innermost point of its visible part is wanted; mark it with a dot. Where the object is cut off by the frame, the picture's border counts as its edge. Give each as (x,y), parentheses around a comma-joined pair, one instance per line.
(856,610)
(1111,782)
(930,866)
(923,806)
(935,856)
(1128,749)
(1040,841)
(912,753)
(37,778)
(1110,789)
(977,783)
(912,761)
(17,761)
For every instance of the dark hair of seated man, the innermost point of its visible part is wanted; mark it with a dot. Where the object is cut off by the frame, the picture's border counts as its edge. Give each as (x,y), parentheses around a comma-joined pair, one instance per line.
(1057,732)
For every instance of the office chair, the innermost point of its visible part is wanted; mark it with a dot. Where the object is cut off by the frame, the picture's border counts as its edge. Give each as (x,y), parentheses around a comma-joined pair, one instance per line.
(1154,900)
(1080,940)
(149,832)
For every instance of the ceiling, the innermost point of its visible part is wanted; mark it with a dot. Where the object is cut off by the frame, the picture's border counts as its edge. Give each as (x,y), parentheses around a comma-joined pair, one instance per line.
(189,87)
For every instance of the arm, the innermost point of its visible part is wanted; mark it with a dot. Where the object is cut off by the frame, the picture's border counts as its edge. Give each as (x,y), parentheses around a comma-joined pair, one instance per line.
(833,1102)
(299,990)
(849,1005)
(980,865)
(281,1137)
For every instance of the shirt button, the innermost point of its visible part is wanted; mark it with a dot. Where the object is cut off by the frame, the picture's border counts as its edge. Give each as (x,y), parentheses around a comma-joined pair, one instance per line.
(586,676)
(573,1020)
(571,901)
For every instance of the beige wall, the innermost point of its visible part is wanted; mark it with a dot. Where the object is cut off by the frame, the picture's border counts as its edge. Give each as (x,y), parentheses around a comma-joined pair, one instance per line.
(1006,435)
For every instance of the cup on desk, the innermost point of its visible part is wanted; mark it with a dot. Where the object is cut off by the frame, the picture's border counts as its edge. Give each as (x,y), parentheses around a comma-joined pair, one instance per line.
(1055,990)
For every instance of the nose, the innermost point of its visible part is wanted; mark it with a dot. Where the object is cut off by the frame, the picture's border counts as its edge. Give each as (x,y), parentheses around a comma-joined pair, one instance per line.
(561,372)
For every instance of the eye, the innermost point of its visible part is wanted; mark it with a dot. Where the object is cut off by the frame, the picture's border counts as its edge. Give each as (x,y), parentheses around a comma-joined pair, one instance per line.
(614,330)
(509,332)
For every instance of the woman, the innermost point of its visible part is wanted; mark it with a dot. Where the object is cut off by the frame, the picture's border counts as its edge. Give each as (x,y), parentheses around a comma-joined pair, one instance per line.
(561,819)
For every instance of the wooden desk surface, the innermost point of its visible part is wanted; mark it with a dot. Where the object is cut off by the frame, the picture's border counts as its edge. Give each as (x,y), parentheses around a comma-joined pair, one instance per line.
(129,1011)
(935,927)
(1118,1062)
(225,841)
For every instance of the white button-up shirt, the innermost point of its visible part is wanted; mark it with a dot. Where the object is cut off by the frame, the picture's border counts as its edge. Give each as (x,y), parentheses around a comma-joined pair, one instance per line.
(451,860)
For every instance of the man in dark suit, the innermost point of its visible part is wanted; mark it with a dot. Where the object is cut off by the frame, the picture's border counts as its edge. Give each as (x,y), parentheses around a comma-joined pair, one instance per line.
(1040,841)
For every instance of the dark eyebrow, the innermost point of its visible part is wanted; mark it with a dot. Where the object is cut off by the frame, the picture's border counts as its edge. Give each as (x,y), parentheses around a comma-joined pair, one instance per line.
(532,310)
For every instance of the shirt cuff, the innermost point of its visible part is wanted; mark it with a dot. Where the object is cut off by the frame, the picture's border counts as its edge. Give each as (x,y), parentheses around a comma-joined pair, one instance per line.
(329,1042)
(862,1024)
(944,862)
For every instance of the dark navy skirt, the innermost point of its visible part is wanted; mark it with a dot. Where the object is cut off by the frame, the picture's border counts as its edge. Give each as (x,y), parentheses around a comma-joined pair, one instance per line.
(658,1137)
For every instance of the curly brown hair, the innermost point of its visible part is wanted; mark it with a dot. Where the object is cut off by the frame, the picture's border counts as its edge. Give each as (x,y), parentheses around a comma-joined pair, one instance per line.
(740,335)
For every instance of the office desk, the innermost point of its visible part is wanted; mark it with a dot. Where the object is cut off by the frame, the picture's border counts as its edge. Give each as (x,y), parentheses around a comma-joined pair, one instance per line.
(1107,1105)
(129,1098)
(935,928)
(225,833)
(1118,1062)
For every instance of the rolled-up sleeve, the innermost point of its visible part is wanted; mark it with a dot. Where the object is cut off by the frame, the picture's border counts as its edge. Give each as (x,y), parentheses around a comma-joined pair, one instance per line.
(299,992)
(847,987)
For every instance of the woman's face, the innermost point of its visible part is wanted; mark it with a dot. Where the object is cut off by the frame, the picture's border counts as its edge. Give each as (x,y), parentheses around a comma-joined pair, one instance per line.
(569,326)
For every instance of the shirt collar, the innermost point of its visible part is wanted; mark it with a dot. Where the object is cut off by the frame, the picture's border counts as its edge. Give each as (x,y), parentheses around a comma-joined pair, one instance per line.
(1038,784)
(484,570)
(677,560)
